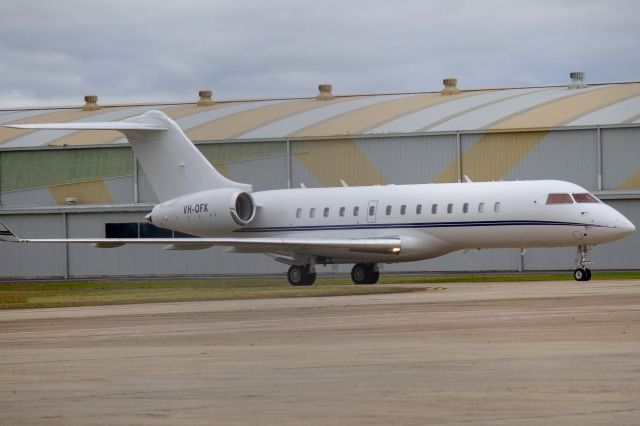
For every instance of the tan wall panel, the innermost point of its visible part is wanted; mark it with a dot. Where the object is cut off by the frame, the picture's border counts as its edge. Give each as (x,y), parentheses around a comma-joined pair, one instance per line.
(632,182)
(94,192)
(332,160)
(492,156)
(570,108)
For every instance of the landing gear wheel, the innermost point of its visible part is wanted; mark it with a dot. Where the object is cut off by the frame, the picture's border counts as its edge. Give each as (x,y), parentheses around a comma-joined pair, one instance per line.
(373,277)
(364,273)
(580,274)
(299,275)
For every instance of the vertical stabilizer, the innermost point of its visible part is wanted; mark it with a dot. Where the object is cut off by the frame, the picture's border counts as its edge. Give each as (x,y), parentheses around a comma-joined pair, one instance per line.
(171,162)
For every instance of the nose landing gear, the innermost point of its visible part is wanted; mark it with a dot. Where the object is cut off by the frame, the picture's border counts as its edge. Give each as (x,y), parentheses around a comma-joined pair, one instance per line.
(582,273)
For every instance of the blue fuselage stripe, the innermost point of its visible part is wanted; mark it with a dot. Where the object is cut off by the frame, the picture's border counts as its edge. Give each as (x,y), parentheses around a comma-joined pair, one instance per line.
(414,225)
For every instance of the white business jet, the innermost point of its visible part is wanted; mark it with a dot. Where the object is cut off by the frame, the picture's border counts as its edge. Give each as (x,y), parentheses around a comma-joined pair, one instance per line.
(365,225)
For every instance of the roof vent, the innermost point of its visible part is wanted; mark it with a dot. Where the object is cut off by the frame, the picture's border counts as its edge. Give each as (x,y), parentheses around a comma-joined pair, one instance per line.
(206,98)
(450,86)
(90,103)
(577,80)
(71,201)
(325,92)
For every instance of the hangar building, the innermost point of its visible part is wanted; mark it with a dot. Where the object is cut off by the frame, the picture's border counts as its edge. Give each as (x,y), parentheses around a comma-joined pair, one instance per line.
(71,184)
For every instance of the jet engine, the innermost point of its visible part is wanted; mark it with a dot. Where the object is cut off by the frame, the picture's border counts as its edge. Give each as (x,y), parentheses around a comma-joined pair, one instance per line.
(206,212)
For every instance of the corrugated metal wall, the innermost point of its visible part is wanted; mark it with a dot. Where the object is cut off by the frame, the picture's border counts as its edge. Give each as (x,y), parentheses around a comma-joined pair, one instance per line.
(105,176)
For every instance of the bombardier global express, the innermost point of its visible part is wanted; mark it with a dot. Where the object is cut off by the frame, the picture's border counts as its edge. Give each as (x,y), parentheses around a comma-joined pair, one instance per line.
(364,226)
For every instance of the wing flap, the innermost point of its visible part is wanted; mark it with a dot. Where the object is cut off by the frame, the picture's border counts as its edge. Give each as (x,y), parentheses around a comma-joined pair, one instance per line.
(372,245)
(355,245)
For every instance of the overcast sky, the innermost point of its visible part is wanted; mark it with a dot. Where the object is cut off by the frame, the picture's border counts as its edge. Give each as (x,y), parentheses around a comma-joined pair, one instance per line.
(54,52)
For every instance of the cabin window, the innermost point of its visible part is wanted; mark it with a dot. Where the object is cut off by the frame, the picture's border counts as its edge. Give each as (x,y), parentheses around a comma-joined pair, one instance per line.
(434,209)
(559,199)
(465,208)
(450,208)
(496,207)
(388,210)
(585,198)
(298,213)
(372,210)
(312,212)
(419,209)
(356,211)
(342,210)
(481,208)
(326,212)
(403,209)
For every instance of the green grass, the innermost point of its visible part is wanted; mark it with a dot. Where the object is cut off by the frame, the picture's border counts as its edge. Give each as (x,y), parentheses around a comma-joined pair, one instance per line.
(90,293)
(20,295)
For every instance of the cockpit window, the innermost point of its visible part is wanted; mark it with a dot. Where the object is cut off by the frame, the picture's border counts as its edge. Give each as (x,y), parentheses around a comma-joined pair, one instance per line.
(585,198)
(559,199)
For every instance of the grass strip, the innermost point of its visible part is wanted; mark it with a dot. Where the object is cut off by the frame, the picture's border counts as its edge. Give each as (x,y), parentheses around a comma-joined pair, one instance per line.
(30,294)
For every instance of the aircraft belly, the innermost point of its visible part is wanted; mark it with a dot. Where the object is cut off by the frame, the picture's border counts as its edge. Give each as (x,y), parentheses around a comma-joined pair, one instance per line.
(511,236)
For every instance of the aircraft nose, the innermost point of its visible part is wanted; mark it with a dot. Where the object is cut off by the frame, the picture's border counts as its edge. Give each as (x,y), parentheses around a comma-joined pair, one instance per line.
(624,226)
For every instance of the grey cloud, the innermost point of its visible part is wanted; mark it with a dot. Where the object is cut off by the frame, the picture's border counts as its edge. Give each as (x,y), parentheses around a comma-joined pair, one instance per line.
(151,51)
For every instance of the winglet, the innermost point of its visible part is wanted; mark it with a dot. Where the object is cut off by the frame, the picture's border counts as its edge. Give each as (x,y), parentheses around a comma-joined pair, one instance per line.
(7,234)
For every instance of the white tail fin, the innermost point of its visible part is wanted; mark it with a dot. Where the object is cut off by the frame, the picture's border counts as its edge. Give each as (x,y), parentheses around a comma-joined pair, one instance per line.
(173,165)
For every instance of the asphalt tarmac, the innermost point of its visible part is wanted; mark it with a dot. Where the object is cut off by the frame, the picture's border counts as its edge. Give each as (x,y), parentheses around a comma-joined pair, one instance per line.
(470,354)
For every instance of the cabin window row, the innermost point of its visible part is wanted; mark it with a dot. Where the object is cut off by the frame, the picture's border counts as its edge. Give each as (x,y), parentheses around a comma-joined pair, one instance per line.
(466,208)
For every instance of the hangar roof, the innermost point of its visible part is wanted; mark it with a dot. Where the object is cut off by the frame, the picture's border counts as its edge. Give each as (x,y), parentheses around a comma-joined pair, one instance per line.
(339,116)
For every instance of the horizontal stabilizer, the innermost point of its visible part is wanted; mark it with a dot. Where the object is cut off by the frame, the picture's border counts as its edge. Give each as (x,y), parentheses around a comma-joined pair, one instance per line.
(109,125)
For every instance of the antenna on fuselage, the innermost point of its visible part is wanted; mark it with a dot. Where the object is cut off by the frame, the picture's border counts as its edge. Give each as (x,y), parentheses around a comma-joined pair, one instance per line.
(343,183)
(467,179)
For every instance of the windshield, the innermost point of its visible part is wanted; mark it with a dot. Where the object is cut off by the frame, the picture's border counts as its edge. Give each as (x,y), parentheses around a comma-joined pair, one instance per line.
(559,199)
(585,198)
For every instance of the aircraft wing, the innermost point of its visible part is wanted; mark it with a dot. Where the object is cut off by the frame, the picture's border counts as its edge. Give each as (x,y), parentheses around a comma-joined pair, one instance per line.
(299,245)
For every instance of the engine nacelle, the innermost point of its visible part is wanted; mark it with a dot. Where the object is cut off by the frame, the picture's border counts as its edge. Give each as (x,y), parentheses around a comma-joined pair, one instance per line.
(205,213)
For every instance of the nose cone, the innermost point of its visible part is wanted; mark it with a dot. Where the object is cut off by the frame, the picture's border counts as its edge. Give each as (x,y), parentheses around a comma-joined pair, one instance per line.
(148,218)
(625,226)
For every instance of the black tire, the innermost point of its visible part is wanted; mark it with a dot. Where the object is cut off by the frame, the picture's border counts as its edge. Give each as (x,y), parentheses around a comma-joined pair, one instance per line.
(588,271)
(296,275)
(310,278)
(299,275)
(373,277)
(360,273)
(580,274)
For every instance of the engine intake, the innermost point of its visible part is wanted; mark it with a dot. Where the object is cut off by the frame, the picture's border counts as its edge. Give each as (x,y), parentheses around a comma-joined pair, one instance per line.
(243,209)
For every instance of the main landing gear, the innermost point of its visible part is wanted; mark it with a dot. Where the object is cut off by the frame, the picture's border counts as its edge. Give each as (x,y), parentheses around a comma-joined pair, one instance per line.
(365,273)
(582,273)
(301,275)
(361,273)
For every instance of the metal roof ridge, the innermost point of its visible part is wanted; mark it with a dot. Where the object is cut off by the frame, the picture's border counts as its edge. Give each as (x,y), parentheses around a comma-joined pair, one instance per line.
(285,98)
